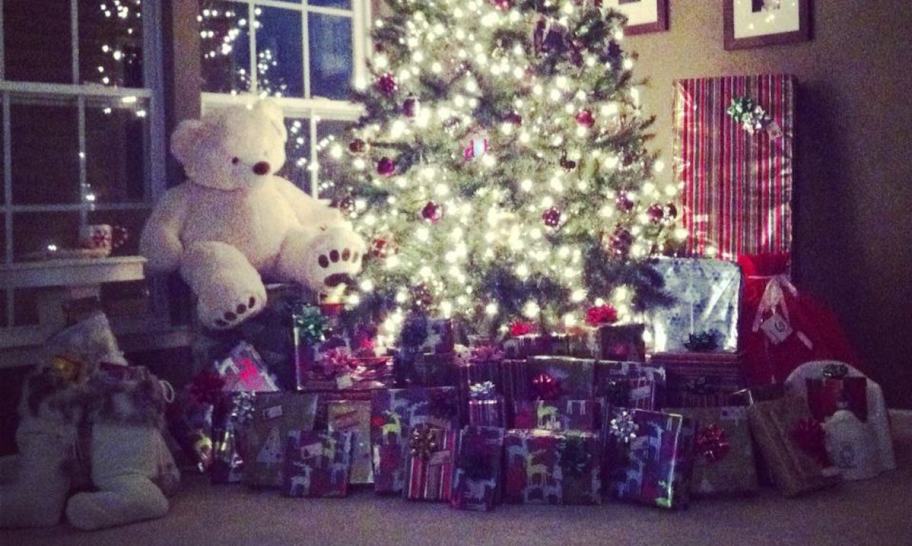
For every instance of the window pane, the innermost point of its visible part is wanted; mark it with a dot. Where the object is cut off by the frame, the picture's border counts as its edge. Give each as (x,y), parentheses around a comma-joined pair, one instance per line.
(34,231)
(131,222)
(344,4)
(116,143)
(45,150)
(126,300)
(26,301)
(224,46)
(110,42)
(329,133)
(330,55)
(36,40)
(297,151)
(280,55)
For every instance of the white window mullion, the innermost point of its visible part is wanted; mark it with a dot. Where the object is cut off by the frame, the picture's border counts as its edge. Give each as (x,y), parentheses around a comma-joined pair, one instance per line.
(305,44)
(360,42)
(153,81)
(83,176)
(314,175)
(2,50)
(251,36)
(74,38)
(8,178)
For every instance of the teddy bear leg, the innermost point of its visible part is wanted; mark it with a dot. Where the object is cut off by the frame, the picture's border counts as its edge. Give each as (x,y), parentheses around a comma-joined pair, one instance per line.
(228,288)
(321,260)
(124,458)
(36,496)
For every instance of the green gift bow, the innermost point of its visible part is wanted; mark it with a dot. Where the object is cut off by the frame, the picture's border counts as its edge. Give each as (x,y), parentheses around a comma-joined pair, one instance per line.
(310,324)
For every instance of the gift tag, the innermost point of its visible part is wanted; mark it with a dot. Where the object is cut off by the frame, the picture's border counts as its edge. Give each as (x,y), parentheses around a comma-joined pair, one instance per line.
(273,412)
(776,328)
(344,381)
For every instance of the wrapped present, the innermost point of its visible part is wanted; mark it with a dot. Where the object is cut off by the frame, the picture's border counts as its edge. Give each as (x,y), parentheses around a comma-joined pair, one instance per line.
(783,327)
(244,370)
(549,467)
(486,407)
(479,365)
(649,457)
(852,446)
(622,342)
(826,395)
(231,415)
(478,472)
(322,358)
(274,416)
(792,444)
(564,414)
(630,385)
(707,308)
(737,184)
(724,460)
(429,463)
(354,416)
(393,412)
(552,377)
(317,464)
(536,344)
(436,370)
(700,379)
(421,334)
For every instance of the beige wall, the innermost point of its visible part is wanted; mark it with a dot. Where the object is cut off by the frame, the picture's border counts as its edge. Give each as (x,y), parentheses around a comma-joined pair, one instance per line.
(854,182)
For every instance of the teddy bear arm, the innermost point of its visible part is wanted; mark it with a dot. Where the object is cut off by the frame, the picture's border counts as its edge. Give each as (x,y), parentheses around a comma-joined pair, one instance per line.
(310,212)
(160,243)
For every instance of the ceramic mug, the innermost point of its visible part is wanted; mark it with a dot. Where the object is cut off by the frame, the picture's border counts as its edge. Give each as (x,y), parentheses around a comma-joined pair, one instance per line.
(102,237)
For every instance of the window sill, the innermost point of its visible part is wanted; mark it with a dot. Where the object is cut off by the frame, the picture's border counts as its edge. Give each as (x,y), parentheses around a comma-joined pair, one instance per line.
(72,272)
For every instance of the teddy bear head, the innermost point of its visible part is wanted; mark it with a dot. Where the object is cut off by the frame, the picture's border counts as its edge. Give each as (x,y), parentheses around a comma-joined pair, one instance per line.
(232,148)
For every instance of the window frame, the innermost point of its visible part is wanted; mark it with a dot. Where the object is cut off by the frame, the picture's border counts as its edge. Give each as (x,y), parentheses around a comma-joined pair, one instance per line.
(154,173)
(314,109)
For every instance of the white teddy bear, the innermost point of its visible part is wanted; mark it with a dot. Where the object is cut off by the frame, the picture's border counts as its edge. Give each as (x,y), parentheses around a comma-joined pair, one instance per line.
(234,221)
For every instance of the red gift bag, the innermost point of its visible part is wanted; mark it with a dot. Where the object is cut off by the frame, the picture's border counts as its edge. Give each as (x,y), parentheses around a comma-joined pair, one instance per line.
(783,328)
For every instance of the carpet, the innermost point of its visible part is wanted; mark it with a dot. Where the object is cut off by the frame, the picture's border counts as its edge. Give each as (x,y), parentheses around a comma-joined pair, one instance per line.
(871,512)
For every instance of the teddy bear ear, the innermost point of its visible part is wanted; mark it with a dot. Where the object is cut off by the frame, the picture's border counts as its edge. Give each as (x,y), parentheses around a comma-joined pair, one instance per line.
(274,113)
(185,138)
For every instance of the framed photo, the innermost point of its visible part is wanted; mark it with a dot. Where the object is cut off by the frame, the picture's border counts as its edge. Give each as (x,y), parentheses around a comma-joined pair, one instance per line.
(642,15)
(758,23)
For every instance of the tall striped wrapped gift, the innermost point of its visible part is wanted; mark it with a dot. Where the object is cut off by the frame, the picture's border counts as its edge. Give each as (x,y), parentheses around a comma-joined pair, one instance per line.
(734,159)
(429,466)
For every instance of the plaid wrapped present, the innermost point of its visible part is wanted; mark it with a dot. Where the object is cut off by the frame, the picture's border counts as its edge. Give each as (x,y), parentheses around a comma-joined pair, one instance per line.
(527,345)
(698,379)
(436,370)
(479,462)
(245,371)
(551,377)
(622,342)
(393,412)
(317,464)
(429,463)
(649,457)
(274,416)
(630,385)
(724,461)
(549,467)
(354,416)
(564,414)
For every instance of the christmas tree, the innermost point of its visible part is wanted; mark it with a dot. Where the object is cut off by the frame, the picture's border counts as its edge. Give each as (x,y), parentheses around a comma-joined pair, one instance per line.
(499,172)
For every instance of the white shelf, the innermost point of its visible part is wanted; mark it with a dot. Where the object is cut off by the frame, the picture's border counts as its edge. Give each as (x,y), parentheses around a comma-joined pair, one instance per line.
(72,272)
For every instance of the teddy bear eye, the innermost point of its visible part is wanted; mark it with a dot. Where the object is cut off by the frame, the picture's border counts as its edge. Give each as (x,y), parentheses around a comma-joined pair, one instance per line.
(235,160)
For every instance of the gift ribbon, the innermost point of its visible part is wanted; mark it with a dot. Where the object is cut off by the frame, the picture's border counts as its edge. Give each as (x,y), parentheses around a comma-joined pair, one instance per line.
(423,442)
(774,298)
(310,324)
(712,443)
(482,391)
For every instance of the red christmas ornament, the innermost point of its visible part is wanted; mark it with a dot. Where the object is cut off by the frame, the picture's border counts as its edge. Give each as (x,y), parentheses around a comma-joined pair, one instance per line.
(620,241)
(501,4)
(712,443)
(357,146)
(514,118)
(422,296)
(386,167)
(656,213)
(411,106)
(387,84)
(432,212)
(520,328)
(624,203)
(551,217)
(346,205)
(809,435)
(585,118)
(602,314)
(545,386)
(382,247)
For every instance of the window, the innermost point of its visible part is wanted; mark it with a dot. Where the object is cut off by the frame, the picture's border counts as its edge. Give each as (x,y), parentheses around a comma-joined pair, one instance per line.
(82,139)
(304,53)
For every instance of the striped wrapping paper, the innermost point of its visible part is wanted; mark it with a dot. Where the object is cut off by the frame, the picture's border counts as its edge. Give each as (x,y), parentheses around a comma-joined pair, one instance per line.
(487,412)
(431,478)
(737,187)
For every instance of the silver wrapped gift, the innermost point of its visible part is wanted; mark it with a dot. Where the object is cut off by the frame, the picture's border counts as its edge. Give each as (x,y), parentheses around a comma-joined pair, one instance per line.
(707,301)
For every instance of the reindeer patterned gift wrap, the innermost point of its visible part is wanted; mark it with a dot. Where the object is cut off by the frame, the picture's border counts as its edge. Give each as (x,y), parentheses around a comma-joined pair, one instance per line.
(479,467)
(564,414)
(354,416)
(648,457)
(274,416)
(548,467)
(630,385)
(393,412)
(317,464)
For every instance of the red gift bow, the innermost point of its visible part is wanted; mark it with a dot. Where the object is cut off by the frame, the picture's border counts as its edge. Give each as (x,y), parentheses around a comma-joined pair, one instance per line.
(486,353)
(602,314)
(545,386)
(712,443)
(520,328)
(809,435)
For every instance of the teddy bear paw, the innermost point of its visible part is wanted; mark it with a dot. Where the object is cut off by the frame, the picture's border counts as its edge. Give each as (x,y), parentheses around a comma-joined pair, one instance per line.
(335,259)
(228,312)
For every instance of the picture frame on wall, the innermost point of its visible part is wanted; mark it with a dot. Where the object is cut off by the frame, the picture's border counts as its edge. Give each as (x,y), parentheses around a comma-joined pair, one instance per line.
(759,23)
(643,16)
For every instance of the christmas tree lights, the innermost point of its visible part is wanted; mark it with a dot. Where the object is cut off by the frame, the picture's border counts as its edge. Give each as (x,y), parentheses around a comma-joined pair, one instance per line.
(499,172)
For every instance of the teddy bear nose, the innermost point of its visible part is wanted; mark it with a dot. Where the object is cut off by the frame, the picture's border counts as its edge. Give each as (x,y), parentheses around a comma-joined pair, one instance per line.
(261,168)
